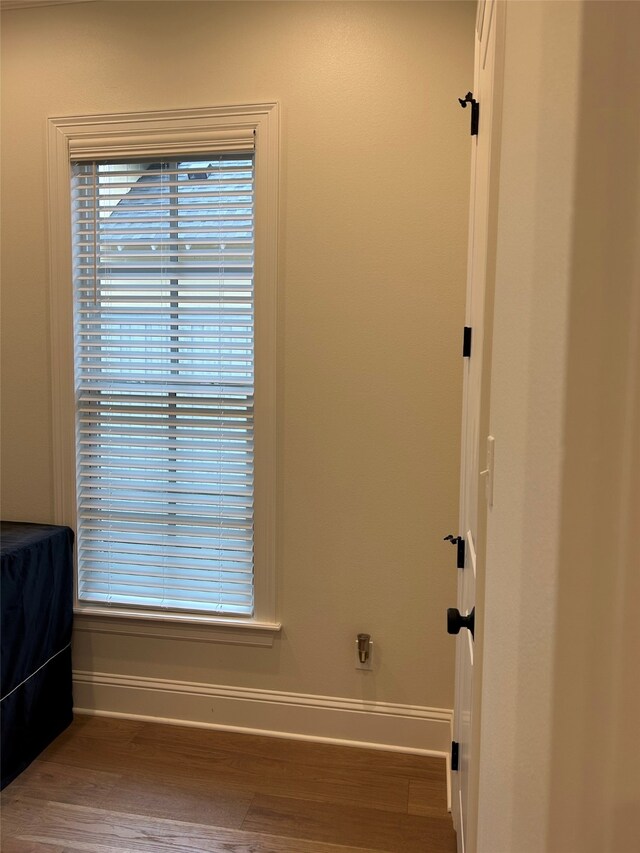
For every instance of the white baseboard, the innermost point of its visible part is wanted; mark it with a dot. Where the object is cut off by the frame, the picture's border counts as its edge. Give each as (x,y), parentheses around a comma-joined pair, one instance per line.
(377,725)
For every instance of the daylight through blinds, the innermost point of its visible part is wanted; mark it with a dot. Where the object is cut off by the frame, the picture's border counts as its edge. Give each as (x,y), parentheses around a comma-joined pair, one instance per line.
(164,366)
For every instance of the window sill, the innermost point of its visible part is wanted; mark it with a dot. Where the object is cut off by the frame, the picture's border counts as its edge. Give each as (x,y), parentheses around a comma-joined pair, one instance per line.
(237,632)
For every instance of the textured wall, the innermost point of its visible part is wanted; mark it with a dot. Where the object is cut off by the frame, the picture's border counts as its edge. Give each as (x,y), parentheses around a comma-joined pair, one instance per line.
(374,180)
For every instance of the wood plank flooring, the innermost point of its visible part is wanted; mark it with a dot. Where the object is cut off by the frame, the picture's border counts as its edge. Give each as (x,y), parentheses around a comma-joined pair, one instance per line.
(119,786)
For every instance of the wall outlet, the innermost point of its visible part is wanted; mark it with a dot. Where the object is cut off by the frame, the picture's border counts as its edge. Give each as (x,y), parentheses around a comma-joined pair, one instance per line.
(368,664)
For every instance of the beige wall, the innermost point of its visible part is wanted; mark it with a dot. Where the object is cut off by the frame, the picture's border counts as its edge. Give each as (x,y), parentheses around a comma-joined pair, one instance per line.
(596,688)
(374,201)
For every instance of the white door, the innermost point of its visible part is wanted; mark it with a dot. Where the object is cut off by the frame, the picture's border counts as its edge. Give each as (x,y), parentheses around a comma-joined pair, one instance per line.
(473,446)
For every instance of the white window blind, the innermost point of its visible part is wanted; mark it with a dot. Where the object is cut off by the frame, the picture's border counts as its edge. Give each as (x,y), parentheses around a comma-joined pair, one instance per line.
(164,373)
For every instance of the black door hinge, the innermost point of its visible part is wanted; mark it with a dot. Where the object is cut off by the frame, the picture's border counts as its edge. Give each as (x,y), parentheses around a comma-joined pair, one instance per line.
(466,342)
(475,111)
(455,752)
(459,542)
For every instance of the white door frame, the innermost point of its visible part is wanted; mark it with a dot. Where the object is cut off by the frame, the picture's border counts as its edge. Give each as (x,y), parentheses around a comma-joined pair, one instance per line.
(473,508)
(559,708)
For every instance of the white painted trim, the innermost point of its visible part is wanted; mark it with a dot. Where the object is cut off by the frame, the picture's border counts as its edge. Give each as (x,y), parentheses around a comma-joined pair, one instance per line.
(240,632)
(462,838)
(176,131)
(327,719)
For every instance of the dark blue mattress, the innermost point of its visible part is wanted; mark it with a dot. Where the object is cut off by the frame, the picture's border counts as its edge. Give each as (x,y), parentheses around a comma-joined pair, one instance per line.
(37,613)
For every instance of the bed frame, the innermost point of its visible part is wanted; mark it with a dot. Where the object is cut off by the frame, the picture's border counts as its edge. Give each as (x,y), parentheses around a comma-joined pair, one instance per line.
(37,613)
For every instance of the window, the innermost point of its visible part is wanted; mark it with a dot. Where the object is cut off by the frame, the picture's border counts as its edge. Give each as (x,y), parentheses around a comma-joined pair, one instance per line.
(164,352)
(166,312)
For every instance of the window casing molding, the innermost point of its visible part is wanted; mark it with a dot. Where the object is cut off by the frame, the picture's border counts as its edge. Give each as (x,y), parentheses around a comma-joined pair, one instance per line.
(179,132)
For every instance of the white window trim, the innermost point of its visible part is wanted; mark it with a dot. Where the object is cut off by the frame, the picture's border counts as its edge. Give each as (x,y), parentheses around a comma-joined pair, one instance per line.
(172,132)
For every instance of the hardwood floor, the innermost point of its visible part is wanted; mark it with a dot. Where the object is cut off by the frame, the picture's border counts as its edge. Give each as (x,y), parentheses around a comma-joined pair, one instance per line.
(112,786)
